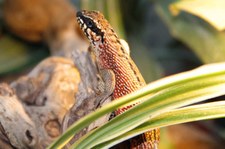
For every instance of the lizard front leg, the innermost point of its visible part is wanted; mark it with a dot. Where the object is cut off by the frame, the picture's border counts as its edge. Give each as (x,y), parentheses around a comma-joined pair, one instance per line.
(106,85)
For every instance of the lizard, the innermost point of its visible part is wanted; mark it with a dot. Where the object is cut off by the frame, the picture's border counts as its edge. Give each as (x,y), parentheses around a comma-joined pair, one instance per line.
(117,69)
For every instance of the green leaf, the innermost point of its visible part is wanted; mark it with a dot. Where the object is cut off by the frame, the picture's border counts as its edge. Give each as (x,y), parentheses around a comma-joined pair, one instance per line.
(158,97)
(207,42)
(163,101)
(212,11)
(188,114)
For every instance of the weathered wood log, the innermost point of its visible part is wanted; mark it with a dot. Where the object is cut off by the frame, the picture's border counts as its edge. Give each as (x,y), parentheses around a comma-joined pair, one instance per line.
(17,128)
(49,91)
(46,94)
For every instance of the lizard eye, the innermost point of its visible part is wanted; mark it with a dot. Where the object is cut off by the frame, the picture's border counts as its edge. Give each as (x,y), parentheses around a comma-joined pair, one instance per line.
(89,24)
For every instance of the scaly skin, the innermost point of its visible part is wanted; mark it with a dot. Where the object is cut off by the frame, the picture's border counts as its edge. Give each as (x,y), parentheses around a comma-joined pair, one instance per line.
(111,55)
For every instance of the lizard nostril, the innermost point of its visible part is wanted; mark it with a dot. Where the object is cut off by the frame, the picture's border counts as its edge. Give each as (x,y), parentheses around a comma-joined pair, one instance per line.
(79,14)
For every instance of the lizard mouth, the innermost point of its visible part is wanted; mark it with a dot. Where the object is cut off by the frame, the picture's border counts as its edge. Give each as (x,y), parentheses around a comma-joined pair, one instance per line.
(80,20)
(81,23)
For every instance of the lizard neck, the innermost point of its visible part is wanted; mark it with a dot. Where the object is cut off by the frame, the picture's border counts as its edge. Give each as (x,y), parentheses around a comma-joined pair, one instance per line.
(111,55)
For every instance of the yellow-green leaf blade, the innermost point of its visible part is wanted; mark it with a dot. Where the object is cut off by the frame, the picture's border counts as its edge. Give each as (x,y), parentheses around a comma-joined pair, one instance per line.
(188,114)
(212,11)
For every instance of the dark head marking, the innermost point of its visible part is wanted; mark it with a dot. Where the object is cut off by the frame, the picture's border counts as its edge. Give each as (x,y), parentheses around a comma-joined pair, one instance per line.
(86,20)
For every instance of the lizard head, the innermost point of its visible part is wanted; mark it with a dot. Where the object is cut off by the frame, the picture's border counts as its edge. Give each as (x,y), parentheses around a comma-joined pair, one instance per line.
(89,22)
(94,25)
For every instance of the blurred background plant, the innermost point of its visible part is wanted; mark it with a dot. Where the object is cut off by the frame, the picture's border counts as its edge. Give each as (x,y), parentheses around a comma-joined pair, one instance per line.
(165,37)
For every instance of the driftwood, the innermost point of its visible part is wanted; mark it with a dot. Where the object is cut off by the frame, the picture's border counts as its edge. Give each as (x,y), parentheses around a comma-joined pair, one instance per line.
(17,128)
(45,95)
(31,117)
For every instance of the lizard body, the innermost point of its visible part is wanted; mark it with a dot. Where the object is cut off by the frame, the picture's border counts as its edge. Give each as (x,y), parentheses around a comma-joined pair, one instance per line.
(114,61)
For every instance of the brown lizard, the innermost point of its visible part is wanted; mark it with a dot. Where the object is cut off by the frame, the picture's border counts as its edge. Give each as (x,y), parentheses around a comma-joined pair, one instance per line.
(118,70)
